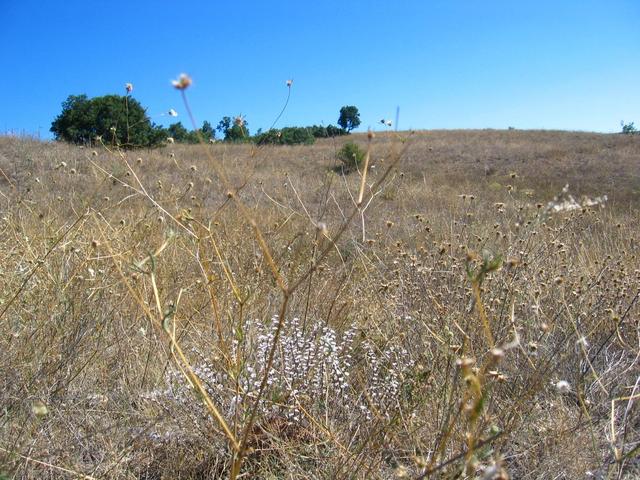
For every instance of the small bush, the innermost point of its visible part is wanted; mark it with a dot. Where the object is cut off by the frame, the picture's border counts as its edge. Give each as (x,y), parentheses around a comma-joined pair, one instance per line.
(286,136)
(628,128)
(319,131)
(296,136)
(351,156)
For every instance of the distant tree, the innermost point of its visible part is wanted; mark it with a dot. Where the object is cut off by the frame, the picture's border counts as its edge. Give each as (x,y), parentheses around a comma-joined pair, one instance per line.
(349,118)
(112,118)
(178,132)
(628,128)
(233,130)
(207,131)
(333,131)
(286,136)
(224,125)
(319,131)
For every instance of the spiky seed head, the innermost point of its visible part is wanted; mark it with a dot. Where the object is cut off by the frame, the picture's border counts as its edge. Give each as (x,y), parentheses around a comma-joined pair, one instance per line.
(183,82)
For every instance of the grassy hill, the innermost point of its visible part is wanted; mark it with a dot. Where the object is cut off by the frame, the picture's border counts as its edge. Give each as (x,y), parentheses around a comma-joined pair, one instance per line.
(196,310)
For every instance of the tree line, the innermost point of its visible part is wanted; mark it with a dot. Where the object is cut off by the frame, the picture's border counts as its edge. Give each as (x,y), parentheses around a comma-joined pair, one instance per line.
(122,120)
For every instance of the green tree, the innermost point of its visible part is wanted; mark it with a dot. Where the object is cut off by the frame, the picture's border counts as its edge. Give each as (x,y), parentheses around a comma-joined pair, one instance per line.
(178,132)
(114,119)
(349,118)
(233,130)
(628,128)
(207,131)
(224,126)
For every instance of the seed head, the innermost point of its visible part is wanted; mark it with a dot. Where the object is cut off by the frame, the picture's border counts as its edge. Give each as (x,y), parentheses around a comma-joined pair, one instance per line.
(172,113)
(322,228)
(563,387)
(39,409)
(183,82)
(497,354)
(128,87)
(289,83)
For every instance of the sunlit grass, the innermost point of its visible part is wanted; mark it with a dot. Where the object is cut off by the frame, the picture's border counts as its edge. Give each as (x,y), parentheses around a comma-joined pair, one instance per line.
(219,310)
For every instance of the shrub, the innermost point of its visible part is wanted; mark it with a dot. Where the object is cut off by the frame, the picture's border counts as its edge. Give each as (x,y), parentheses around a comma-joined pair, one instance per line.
(115,119)
(628,128)
(333,131)
(296,135)
(286,136)
(319,131)
(351,156)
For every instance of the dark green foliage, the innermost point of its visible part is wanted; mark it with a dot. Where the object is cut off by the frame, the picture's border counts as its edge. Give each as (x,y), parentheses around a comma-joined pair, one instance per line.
(296,136)
(628,128)
(233,130)
(349,118)
(270,137)
(207,131)
(319,131)
(178,133)
(181,135)
(117,120)
(286,136)
(351,156)
(224,125)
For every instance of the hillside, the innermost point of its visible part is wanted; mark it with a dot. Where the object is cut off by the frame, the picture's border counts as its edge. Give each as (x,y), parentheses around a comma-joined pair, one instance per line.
(162,309)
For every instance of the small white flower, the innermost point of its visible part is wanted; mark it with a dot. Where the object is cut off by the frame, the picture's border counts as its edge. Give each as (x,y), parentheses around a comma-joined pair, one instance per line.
(172,113)
(563,387)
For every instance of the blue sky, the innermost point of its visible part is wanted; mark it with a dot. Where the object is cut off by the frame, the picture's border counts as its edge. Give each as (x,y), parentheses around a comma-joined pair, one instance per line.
(571,64)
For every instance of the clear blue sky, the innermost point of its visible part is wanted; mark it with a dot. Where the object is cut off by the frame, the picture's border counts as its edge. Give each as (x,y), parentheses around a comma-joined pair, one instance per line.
(553,64)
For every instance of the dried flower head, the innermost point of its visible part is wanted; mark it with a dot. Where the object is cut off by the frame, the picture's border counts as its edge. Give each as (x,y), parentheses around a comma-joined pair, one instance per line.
(239,120)
(128,87)
(183,82)
(170,140)
(563,387)
(172,113)
(289,83)
(39,409)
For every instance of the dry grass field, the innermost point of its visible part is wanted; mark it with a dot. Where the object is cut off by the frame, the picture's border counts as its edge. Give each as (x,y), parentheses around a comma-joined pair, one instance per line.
(223,311)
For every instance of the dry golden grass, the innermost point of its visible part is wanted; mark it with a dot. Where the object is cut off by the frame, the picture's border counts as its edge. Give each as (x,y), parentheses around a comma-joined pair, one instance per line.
(425,332)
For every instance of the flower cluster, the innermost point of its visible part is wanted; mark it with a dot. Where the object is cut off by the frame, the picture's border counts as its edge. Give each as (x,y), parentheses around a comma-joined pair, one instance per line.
(565,202)
(314,369)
